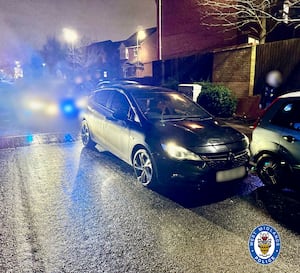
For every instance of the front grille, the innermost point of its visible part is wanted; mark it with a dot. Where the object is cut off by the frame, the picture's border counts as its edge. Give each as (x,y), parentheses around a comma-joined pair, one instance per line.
(226,160)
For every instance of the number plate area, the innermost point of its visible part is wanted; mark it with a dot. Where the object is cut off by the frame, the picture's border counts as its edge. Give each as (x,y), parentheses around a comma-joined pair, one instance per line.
(232,174)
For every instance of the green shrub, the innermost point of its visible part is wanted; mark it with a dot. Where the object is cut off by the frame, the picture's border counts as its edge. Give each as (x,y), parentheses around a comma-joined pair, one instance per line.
(217,99)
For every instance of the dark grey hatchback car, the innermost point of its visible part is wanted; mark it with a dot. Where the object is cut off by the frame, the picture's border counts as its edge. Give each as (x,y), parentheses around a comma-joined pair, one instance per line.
(163,134)
(275,145)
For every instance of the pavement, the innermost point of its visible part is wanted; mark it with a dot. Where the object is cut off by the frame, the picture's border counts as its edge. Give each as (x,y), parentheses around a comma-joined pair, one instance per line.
(32,139)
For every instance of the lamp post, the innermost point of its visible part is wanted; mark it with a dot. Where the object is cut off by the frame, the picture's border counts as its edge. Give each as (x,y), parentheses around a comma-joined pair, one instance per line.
(141,35)
(71,37)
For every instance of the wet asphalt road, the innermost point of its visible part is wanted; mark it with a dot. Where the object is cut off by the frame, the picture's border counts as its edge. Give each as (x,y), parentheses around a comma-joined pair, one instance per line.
(64,208)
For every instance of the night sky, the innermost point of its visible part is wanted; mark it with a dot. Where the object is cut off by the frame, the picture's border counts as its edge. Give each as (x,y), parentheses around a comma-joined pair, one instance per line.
(27,23)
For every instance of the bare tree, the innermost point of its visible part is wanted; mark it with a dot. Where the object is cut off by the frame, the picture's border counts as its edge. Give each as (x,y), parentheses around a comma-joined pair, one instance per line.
(85,54)
(53,53)
(88,56)
(257,16)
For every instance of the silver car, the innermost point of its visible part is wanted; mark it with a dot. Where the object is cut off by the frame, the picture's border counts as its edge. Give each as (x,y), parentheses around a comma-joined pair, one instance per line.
(275,145)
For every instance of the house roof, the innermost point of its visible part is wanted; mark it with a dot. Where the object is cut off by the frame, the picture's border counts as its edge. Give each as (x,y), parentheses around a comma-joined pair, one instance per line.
(105,44)
(131,41)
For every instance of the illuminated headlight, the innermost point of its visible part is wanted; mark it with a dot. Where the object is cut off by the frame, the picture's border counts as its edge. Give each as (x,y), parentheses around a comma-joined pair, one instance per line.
(179,153)
(35,105)
(52,109)
(81,103)
(43,107)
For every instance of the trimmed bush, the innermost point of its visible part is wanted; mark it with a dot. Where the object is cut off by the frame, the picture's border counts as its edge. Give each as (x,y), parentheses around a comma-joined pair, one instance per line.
(217,99)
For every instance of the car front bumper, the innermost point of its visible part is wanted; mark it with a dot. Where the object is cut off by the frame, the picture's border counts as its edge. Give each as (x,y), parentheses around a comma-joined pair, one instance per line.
(200,173)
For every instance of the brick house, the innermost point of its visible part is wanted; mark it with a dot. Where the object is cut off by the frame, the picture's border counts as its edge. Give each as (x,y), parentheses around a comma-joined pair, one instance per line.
(181,32)
(101,60)
(137,54)
(180,36)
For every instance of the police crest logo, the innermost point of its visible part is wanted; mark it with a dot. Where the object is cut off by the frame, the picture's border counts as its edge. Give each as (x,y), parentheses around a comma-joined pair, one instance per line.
(264,244)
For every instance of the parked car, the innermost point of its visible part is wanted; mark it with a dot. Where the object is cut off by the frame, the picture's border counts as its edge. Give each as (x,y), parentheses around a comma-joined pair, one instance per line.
(275,142)
(163,134)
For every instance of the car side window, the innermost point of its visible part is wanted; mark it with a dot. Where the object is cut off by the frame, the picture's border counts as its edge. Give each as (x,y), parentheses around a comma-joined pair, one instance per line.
(119,103)
(101,97)
(288,116)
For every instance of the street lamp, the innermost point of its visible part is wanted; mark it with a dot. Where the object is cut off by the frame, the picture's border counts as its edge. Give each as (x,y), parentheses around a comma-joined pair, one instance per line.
(71,37)
(141,35)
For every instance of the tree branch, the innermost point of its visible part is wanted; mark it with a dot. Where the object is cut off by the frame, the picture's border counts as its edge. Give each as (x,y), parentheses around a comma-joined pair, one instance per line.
(239,14)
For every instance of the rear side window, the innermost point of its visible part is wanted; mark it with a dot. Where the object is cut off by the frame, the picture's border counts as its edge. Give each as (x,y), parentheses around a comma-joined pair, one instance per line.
(101,97)
(288,115)
(119,102)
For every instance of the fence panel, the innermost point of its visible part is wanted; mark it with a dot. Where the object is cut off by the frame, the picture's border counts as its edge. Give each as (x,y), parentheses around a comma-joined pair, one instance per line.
(283,56)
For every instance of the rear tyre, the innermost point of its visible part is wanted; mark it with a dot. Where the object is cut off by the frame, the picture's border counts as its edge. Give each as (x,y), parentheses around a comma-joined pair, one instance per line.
(272,171)
(143,166)
(86,136)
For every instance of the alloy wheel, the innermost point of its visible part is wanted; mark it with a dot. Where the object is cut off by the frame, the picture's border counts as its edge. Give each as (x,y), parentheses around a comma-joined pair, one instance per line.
(85,136)
(270,171)
(143,167)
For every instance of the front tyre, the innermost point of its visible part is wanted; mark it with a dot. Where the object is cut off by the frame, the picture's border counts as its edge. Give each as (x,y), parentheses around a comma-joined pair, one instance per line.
(86,136)
(143,166)
(272,171)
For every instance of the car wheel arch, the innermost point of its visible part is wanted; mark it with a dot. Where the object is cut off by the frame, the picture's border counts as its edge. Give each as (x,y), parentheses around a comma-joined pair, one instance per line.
(264,154)
(273,159)
(140,146)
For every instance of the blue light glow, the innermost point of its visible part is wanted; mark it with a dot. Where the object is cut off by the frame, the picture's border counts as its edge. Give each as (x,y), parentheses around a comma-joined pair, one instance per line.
(68,108)
(29,138)
(68,138)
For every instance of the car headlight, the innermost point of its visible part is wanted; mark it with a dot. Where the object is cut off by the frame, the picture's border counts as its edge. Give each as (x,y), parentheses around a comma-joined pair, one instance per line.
(52,109)
(35,104)
(180,153)
(81,103)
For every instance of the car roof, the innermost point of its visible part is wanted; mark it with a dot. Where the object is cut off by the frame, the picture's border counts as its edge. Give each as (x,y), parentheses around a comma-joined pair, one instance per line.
(295,94)
(136,88)
(106,83)
(144,88)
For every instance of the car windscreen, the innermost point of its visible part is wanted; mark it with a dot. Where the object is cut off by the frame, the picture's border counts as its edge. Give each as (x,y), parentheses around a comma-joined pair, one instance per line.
(168,105)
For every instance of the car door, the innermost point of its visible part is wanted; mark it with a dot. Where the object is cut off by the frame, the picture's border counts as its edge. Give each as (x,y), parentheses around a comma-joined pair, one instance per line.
(98,112)
(116,129)
(288,117)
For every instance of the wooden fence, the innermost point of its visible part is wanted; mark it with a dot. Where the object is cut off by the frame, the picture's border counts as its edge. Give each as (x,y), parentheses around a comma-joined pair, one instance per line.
(283,56)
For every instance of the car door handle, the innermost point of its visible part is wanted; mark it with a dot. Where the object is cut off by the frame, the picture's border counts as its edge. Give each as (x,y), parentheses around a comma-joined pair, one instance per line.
(289,138)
